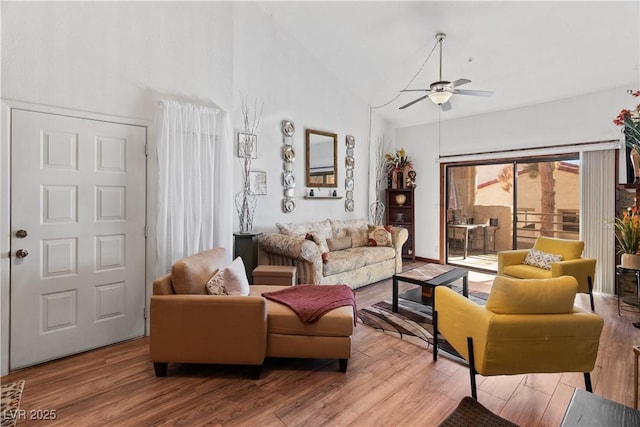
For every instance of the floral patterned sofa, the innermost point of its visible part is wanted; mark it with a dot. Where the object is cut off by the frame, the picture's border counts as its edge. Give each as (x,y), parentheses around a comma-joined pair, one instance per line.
(350,252)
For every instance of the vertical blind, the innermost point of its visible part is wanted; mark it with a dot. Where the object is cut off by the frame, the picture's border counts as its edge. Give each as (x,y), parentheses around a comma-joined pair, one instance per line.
(597,206)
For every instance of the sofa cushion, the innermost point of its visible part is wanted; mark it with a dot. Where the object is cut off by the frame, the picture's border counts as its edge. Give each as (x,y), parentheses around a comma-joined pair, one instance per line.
(341,261)
(340,228)
(373,254)
(301,230)
(190,275)
(541,259)
(339,243)
(569,249)
(380,235)
(215,285)
(532,296)
(359,237)
(235,278)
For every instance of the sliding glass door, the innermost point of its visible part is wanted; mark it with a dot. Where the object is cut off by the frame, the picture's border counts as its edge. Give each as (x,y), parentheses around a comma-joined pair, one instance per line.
(499,206)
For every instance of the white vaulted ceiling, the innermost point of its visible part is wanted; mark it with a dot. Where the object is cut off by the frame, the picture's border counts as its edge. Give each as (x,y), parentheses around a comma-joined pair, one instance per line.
(525,52)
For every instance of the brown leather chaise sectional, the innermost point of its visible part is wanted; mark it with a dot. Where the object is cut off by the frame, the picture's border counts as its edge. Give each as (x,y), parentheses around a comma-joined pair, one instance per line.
(190,326)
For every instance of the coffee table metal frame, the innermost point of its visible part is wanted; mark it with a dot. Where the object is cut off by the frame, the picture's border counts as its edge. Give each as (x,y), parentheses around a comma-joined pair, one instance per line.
(443,279)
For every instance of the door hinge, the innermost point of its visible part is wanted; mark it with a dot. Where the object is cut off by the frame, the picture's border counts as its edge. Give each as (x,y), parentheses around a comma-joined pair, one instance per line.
(146,231)
(144,313)
(146,148)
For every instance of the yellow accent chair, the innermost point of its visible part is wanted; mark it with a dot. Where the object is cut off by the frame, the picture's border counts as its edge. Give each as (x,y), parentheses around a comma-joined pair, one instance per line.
(527,326)
(510,263)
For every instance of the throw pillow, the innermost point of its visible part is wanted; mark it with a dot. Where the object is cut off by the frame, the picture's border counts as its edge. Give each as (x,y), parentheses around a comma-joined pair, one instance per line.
(359,237)
(380,235)
(235,278)
(215,285)
(541,259)
(319,240)
(339,243)
(341,228)
(292,229)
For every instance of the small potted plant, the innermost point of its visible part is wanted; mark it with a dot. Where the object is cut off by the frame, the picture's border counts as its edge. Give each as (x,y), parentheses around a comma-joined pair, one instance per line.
(627,230)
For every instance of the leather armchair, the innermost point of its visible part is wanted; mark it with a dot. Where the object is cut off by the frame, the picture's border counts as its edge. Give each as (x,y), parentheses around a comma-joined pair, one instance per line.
(527,326)
(572,264)
(189,326)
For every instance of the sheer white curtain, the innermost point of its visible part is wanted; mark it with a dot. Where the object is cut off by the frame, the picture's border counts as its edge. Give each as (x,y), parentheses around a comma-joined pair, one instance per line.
(195,202)
(597,205)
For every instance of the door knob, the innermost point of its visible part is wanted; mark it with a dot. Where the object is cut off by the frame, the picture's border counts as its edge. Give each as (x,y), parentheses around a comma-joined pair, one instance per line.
(21,234)
(22,253)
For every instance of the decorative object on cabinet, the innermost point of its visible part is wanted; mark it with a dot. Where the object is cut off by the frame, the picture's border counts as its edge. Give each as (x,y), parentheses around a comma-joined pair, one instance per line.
(398,167)
(411,179)
(400,213)
(289,156)
(322,159)
(350,142)
(376,209)
(245,199)
(258,182)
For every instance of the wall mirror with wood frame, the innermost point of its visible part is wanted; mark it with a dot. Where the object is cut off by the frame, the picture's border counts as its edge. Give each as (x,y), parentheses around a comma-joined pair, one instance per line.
(322,158)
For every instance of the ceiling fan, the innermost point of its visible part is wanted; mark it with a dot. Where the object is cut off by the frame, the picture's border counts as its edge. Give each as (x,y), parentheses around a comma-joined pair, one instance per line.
(441,91)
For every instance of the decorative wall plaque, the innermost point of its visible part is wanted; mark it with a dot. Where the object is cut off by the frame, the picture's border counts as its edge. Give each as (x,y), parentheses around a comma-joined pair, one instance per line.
(288,156)
(349,182)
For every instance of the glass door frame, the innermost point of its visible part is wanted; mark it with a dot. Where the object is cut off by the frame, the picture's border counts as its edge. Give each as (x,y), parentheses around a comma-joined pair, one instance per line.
(515,161)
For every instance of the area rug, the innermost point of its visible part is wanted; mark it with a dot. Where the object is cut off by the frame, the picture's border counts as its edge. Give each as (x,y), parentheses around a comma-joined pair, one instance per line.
(412,322)
(10,403)
(471,413)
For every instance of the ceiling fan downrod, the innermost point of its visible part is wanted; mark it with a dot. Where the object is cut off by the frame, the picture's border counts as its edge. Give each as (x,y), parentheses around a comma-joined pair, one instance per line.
(440,38)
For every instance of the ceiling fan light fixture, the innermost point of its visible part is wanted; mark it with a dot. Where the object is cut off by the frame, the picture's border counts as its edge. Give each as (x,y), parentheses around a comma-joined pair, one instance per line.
(440,98)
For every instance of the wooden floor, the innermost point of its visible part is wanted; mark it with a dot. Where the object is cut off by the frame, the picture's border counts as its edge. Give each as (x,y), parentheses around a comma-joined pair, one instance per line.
(389,383)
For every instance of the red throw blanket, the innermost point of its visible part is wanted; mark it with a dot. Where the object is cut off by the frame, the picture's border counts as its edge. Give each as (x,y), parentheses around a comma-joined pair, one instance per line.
(310,302)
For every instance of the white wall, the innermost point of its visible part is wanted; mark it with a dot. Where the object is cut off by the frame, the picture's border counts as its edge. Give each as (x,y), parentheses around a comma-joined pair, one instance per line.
(120,58)
(117,58)
(271,67)
(586,118)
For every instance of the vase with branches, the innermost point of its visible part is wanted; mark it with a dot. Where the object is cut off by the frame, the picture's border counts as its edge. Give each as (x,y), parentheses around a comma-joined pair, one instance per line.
(376,209)
(245,199)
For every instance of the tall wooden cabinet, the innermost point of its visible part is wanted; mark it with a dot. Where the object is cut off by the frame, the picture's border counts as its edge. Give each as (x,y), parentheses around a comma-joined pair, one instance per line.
(400,213)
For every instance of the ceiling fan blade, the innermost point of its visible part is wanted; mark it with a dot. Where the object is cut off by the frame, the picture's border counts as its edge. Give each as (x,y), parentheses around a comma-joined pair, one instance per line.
(446,106)
(460,82)
(473,92)
(413,102)
(415,90)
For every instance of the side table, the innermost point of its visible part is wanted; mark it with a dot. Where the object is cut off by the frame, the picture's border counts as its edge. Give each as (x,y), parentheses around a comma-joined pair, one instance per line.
(245,246)
(588,409)
(620,270)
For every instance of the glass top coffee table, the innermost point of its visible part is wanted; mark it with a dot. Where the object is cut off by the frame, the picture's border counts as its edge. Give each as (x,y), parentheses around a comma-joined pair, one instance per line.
(428,277)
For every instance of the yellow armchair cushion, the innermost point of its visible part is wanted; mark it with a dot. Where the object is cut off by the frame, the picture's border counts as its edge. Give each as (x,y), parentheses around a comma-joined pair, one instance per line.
(518,344)
(569,249)
(524,271)
(532,296)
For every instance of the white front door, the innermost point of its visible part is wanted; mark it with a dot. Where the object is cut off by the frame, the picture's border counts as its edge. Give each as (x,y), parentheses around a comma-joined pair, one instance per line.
(77,235)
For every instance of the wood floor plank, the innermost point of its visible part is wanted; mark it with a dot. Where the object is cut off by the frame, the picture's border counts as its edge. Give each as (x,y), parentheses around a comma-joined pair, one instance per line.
(557,406)
(526,406)
(389,382)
